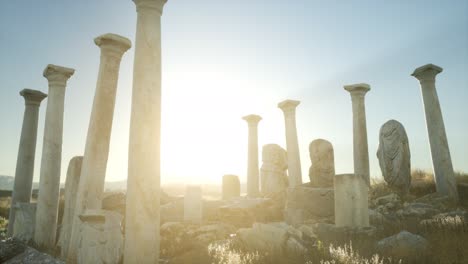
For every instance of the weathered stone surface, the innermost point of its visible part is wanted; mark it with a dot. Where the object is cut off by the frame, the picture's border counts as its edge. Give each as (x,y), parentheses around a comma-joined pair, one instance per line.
(179,237)
(144,169)
(114,201)
(294,161)
(22,186)
(253,189)
(330,233)
(322,171)
(101,238)
(12,251)
(71,187)
(441,160)
(351,200)
(394,156)
(193,204)
(360,145)
(244,212)
(23,227)
(264,238)
(305,203)
(91,185)
(51,160)
(403,245)
(273,171)
(231,186)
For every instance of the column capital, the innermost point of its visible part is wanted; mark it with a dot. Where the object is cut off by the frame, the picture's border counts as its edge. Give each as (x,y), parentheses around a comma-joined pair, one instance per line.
(113,44)
(57,74)
(427,72)
(288,106)
(252,119)
(32,97)
(150,5)
(359,89)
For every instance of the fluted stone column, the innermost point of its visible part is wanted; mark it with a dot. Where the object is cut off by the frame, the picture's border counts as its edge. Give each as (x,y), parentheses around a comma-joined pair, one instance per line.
(292,145)
(360,147)
(49,185)
(252,159)
(143,186)
(93,172)
(441,160)
(22,186)
(71,189)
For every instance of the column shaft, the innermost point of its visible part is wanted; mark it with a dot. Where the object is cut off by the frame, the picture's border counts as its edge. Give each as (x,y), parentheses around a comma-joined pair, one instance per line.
(93,172)
(360,146)
(49,185)
(22,187)
(143,186)
(441,160)
(292,145)
(252,168)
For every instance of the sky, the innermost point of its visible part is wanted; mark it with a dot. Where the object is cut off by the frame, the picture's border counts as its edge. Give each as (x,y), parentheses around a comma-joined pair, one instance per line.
(226,59)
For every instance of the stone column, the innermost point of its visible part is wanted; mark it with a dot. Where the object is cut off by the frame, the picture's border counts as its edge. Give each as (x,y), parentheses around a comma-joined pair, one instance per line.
(91,185)
(292,146)
(441,160)
(49,185)
(193,204)
(71,188)
(143,186)
(22,186)
(351,200)
(360,148)
(252,159)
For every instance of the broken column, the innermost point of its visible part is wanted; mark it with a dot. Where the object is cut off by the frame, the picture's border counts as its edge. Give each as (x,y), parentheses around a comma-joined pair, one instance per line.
(360,148)
(143,185)
(442,163)
(292,145)
(351,200)
(231,187)
(100,239)
(252,165)
(49,184)
(22,186)
(193,209)
(93,173)
(71,188)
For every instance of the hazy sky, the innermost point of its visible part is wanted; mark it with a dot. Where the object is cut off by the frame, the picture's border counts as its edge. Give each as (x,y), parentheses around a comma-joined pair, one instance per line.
(226,59)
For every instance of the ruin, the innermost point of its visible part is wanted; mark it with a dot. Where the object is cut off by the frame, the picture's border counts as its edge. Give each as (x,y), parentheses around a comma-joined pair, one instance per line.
(49,184)
(22,186)
(252,157)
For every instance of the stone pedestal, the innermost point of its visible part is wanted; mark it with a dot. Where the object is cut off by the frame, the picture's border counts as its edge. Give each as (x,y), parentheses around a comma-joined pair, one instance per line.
(143,186)
(23,228)
(49,184)
(252,164)
(193,207)
(231,187)
(309,204)
(360,147)
(26,153)
(91,185)
(351,201)
(292,145)
(71,188)
(441,160)
(101,239)
(322,171)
